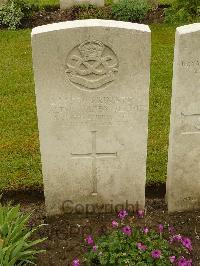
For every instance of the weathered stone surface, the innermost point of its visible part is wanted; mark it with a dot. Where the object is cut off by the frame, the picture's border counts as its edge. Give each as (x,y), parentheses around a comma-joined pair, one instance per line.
(69,3)
(92,86)
(183,183)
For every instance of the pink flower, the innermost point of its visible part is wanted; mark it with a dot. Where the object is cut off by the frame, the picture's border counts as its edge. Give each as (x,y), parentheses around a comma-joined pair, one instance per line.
(89,240)
(189,262)
(172,259)
(145,230)
(177,238)
(161,228)
(186,242)
(140,214)
(171,230)
(122,214)
(184,262)
(141,246)
(127,230)
(156,254)
(76,262)
(94,248)
(114,224)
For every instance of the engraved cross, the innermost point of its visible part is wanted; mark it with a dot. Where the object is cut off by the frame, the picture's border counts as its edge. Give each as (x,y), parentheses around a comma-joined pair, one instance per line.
(94,155)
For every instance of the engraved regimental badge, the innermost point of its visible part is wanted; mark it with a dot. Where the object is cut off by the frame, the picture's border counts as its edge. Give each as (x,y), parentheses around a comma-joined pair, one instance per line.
(91,65)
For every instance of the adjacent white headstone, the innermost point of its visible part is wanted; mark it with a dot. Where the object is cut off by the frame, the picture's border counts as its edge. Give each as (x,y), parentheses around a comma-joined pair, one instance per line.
(92,87)
(69,3)
(183,183)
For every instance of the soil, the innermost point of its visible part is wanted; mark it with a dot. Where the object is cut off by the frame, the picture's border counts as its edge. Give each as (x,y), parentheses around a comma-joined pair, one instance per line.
(66,233)
(53,15)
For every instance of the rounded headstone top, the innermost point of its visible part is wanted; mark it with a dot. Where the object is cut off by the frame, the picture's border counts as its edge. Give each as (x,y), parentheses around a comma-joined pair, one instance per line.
(90,23)
(188,28)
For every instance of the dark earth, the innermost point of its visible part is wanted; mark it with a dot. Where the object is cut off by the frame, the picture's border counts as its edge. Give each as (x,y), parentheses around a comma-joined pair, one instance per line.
(66,234)
(54,14)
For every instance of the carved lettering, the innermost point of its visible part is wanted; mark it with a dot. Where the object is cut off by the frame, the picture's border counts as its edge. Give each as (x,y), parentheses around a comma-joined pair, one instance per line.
(102,110)
(191,65)
(189,202)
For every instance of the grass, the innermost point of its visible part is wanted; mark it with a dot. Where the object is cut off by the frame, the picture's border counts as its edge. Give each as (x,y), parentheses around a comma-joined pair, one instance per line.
(19,148)
(160,98)
(165,1)
(43,3)
(20,165)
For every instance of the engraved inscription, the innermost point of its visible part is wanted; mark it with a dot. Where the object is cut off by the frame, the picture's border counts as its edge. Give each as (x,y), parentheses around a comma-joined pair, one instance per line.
(189,202)
(91,65)
(191,65)
(93,110)
(190,123)
(94,155)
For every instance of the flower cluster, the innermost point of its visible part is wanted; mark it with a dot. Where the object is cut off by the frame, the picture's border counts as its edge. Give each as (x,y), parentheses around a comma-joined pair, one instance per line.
(76,262)
(127,230)
(126,244)
(186,242)
(141,246)
(90,241)
(156,254)
(114,224)
(122,214)
(181,261)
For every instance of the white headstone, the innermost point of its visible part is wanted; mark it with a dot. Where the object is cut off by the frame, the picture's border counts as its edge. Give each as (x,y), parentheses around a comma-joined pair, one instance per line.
(69,3)
(92,87)
(183,183)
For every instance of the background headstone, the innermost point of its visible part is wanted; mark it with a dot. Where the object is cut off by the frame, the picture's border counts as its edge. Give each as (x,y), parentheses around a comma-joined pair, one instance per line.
(92,88)
(69,3)
(183,183)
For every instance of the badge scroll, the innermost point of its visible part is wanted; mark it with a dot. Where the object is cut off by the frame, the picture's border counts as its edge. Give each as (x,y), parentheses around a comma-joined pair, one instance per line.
(91,65)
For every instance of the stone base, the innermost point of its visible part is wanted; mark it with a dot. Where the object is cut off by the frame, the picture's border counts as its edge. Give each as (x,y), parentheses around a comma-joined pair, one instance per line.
(69,3)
